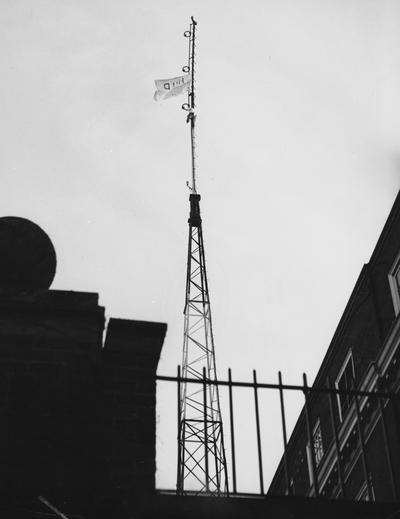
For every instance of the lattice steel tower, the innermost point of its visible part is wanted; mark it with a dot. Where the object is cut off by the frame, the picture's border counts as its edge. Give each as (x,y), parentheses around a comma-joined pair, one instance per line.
(201,454)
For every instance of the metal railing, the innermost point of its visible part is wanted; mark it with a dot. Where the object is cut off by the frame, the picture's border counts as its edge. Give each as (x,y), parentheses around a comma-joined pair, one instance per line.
(367,407)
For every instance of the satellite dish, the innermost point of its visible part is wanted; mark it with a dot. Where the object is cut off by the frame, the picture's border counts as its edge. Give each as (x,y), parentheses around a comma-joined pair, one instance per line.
(27,256)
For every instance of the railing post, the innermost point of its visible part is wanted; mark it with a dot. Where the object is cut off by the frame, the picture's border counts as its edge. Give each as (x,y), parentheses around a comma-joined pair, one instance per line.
(215,455)
(362,444)
(178,475)
(205,428)
(387,444)
(232,430)
(336,438)
(285,462)
(260,466)
(310,437)
(394,406)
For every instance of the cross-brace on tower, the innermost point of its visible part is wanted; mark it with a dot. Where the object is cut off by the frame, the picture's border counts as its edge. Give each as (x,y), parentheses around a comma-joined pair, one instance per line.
(201,454)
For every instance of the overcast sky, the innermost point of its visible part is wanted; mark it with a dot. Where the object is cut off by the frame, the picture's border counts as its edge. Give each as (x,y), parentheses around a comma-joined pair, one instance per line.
(298,159)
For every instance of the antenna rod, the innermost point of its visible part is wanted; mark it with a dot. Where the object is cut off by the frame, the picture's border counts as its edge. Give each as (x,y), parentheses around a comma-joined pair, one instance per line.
(192,116)
(193,31)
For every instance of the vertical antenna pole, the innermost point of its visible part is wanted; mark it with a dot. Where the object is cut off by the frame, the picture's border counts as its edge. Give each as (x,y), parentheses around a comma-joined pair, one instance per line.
(191,98)
(192,48)
(192,106)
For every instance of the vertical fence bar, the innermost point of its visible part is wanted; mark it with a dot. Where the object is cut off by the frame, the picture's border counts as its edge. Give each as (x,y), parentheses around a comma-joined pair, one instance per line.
(232,430)
(205,428)
(394,407)
(285,462)
(260,465)
(178,473)
(336,438)
(215,452)
(387,445)
(362,445)
(310,437)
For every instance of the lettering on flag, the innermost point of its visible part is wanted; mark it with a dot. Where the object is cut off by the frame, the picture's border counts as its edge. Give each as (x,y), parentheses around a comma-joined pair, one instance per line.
(172,87)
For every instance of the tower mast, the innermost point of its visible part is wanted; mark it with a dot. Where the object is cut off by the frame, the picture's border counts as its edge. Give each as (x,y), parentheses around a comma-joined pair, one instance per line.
(201,454)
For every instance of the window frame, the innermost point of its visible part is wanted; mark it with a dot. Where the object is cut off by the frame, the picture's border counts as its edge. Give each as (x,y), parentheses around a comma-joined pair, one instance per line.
(348,358)
(395,284)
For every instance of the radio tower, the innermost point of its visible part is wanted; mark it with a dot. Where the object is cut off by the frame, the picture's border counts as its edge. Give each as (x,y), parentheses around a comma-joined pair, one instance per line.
(201,453)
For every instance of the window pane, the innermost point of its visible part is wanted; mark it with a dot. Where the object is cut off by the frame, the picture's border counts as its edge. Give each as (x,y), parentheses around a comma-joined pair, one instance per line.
(318,447)
(345,383)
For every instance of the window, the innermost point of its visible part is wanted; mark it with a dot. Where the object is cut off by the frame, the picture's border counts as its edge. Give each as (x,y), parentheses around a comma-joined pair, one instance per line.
(318,446)
(344,381)
(394,282)
(318,451)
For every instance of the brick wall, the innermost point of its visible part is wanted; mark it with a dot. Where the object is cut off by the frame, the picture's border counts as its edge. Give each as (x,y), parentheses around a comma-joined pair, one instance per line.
(77,420)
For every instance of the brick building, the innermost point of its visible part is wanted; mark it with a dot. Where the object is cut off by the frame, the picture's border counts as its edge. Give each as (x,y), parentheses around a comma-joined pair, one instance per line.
(363,461)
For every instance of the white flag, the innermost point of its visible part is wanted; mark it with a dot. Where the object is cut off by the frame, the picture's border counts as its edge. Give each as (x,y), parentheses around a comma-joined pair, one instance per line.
(172,87)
